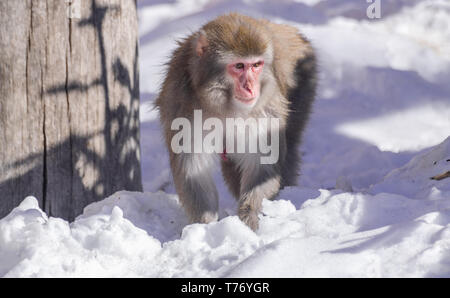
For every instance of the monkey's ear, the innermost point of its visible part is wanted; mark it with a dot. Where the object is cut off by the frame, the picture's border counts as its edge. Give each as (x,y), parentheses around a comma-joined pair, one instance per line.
(201,44)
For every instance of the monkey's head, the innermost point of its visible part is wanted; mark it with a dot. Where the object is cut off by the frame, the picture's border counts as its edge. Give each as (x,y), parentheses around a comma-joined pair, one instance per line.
(232,65)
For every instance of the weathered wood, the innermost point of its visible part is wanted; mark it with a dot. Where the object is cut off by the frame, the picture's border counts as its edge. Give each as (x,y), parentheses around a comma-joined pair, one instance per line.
(69,103)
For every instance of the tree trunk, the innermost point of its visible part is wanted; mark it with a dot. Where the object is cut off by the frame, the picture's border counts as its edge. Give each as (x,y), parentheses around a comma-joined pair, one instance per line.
(69,102)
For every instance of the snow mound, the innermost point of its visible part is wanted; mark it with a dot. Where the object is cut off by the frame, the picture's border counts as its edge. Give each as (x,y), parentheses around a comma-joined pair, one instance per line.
(414,178)
(305,233)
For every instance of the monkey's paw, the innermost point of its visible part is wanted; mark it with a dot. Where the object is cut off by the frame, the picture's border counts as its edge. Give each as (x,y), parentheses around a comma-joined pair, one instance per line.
(250,218)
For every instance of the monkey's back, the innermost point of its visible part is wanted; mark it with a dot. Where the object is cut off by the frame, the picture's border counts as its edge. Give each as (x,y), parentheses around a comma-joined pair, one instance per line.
(295,59)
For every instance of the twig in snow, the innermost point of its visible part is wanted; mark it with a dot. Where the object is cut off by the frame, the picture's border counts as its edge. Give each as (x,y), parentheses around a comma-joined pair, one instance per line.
(441,176)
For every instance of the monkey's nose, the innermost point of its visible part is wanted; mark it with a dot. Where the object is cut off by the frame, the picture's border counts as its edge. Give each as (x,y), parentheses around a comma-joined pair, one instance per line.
(248,87)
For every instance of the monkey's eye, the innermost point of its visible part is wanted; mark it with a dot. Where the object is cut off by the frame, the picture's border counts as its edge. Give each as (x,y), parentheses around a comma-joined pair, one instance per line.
(239,66)
(257,64)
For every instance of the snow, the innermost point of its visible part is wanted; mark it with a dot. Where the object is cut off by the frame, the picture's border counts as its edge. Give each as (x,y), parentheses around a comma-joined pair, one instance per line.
(365,205)
(402,131)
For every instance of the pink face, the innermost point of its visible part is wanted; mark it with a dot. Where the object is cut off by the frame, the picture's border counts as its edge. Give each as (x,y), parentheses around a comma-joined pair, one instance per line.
(245,73)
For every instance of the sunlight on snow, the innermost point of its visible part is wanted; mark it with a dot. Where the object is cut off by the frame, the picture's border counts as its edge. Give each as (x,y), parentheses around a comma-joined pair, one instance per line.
(408,130)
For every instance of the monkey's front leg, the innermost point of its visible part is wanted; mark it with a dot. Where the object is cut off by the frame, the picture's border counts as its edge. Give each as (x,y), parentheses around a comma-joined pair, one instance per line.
(195,186)
(259,182)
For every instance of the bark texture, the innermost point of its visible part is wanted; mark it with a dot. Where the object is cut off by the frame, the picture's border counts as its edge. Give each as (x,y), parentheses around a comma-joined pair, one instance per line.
(69,102)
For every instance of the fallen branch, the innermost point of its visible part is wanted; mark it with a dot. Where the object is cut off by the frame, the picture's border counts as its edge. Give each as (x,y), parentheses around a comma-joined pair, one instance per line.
(441,176)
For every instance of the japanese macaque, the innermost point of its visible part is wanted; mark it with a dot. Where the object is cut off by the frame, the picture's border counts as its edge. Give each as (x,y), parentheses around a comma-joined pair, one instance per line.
(237,67)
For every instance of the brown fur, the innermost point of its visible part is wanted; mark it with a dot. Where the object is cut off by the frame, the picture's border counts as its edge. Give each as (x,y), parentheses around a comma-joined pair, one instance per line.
(196,80)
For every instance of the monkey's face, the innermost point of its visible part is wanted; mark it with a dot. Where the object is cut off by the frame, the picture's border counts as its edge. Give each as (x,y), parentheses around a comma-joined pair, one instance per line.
(244,73)
(231,69)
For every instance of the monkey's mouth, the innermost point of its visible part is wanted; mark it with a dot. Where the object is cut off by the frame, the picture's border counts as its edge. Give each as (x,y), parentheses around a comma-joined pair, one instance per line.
(246,95)
(247,100)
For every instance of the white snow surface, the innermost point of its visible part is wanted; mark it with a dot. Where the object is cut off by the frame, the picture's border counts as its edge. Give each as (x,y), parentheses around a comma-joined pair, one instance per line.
(365,205)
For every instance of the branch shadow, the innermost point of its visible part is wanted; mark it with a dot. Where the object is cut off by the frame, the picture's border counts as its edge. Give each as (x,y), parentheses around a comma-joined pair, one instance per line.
(58,175)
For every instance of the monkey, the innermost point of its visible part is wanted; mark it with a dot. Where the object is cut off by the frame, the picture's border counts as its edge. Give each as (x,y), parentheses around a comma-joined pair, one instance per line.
(238,66)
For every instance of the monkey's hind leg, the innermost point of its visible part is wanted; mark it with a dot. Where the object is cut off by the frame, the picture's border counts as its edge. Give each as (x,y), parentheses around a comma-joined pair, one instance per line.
(291,166)
(263,183)
(195,187)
